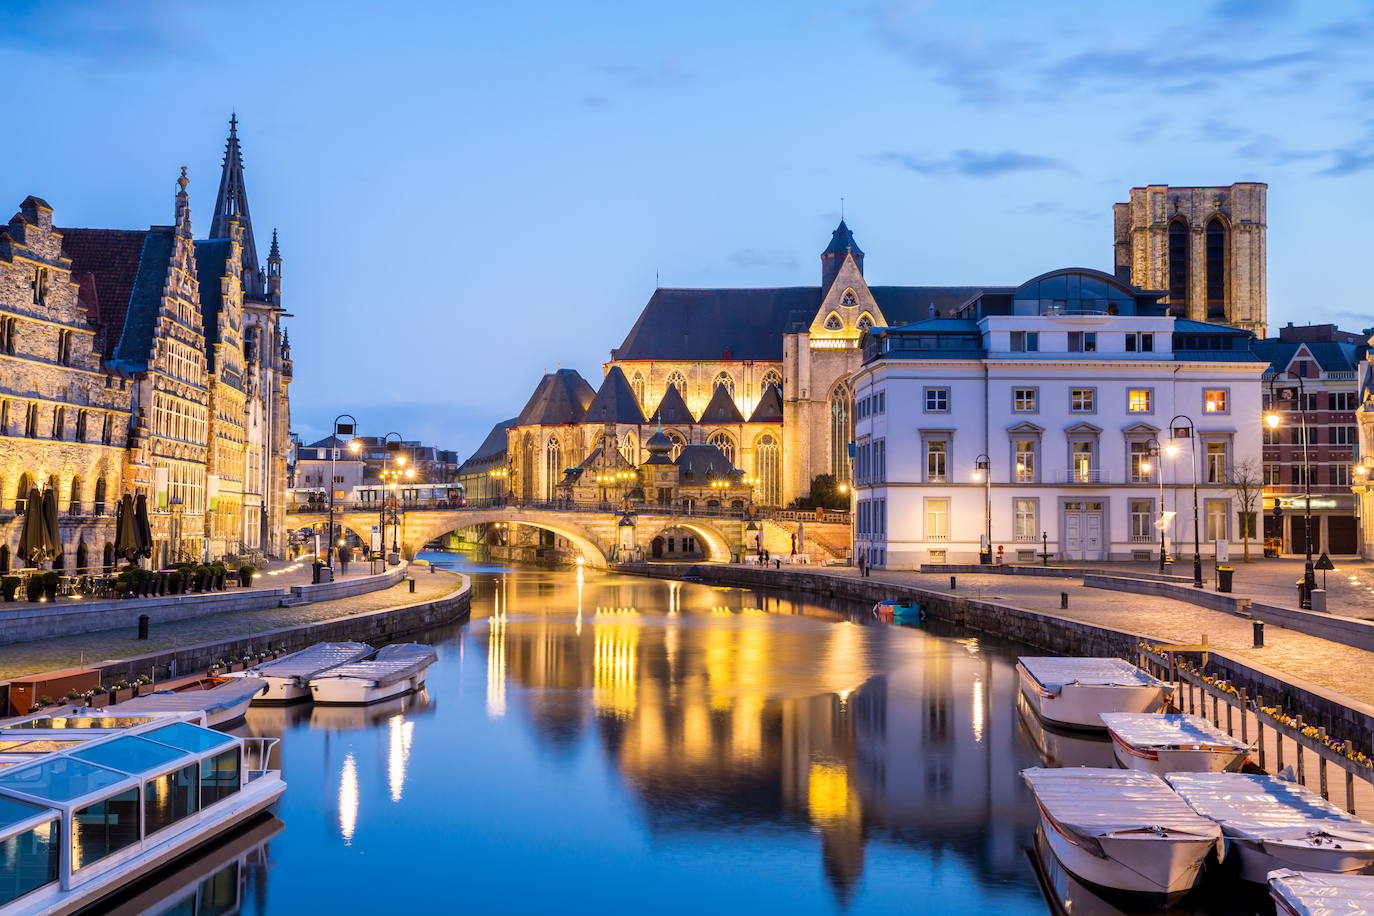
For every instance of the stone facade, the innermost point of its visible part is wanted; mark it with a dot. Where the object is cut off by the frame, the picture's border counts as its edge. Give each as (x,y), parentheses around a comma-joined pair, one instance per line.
(63,415)
(1206,247)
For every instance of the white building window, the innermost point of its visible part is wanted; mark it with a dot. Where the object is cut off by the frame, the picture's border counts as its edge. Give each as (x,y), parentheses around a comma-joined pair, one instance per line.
(1140,457)
(937,456)
(937,519)
(1216,400)
(1081,452)
(1343,435)
(1142,521)
(1025,341)
(1140,400)
(1025,460)
(1216,462)
(1271,474)
(1140,343)
(1083,400)
(1216,520)
(1027,520)
(1082,341)
(1340,475)
(1024,400)
(937,400)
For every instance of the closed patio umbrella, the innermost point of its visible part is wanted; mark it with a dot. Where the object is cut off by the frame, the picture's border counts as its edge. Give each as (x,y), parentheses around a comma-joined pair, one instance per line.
(126,534)
(801,537)
(50,523)
(33,535)
(142,528)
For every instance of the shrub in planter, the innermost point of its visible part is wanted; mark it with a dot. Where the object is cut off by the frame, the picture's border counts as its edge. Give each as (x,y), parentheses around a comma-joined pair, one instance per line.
(9,586)
(51,581)
(35,586)
(246,574)
(45,701)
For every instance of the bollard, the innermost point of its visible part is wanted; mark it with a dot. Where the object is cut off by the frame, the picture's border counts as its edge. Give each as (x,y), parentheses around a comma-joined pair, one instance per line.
(1063,600)
(142,626)
(1259,633)
(412,585)
(951,583)
(431,567)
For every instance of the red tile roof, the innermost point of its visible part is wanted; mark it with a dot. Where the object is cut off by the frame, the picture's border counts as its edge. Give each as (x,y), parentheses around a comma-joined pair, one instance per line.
(110,257)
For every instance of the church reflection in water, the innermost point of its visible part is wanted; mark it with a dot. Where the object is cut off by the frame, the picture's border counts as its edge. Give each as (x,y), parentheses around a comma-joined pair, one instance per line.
(726,710)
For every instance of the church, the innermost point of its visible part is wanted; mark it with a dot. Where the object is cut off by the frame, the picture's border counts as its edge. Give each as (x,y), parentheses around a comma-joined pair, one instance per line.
(764,376)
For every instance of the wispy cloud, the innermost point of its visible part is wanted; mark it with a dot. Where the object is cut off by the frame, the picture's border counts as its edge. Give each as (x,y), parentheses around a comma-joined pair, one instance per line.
(976,163)
(1251,10)
(750,258)
(663,74)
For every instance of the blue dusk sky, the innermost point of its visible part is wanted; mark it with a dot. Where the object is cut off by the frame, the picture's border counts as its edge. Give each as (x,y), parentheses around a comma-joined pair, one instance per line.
(471,194)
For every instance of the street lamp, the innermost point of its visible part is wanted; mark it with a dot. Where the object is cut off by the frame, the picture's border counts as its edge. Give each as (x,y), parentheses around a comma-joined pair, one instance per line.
(1272,420)
(1152,450)
(340,429)
(982,465)
(1186,430)
(390,476)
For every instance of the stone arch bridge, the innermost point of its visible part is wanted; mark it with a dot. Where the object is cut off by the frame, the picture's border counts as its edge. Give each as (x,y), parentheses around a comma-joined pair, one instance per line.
(597,532)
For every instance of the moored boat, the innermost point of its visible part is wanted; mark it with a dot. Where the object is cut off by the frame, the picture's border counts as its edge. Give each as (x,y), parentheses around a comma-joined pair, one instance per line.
(396,669)
(1063,747)
(1271,823)
(1161,743)
(217,701)
(1297,893)
(288,678)
(1075,691)
(1123,830)
(893,612)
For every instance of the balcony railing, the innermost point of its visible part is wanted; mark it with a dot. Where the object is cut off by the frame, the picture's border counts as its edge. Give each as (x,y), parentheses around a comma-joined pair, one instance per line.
(1081,475)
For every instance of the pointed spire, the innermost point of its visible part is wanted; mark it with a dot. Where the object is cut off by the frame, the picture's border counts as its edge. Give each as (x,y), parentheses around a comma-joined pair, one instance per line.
(274,254)
(183,206)
(841,245)
(232,200)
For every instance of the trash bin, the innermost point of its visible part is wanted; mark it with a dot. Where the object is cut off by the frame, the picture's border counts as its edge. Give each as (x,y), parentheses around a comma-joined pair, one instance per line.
(1224,575)
(315,572)
(321,572)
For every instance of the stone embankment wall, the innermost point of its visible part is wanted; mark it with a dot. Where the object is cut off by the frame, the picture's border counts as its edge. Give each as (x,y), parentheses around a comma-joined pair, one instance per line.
(1340,716)
(375,627)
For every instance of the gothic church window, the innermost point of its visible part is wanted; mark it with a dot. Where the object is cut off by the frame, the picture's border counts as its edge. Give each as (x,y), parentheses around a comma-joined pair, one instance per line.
(628,449)
(99,507)
(724,380)
(766,469)
(833,322)
(637,386)
(553,467)
(841,431)
(849,299)
(726,445)
(771,377)
(74,501)
(1179,265)
(865,321)
(678,443)
(1216,269)
(677,380)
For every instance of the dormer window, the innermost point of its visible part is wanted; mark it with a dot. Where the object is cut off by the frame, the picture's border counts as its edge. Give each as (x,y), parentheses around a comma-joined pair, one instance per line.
(849,299)
(833,322)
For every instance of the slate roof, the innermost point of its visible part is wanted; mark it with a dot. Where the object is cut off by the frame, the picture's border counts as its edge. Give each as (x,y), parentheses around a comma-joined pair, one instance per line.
(672,409)
(842,241)
(211,257)
(769,408)
(145,300)
(560,397)
(104,265)
(615,402)
(721,408)
(491,450)
(1189,326)
(697,463)
(689,325)
(1330,355)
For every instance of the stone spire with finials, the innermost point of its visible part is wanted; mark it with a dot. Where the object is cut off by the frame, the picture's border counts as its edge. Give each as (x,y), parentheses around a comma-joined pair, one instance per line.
(274,271)
(832,259)
(233,201)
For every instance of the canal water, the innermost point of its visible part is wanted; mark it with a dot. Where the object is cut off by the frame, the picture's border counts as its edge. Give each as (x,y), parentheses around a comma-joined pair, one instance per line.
(590,742)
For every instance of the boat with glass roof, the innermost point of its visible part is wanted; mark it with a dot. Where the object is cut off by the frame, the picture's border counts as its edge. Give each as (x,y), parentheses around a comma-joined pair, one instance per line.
(91,802)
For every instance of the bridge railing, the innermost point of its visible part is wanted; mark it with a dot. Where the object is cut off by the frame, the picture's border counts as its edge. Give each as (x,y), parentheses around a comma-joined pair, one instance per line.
(694,510)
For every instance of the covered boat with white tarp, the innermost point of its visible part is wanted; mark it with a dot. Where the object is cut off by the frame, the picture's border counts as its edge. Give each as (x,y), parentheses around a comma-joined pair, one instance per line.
(1122,829)
(1075,691)
(219,704)
(288,678)
(1297,893)
(1163,743)
(1271,823)
(396,669)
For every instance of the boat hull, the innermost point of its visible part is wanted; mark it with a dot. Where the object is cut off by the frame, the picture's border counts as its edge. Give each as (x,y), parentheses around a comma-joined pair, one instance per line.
(1255,859)
(1081,705)
(348,691)
(283,690)
(1161,866)
(1175,760)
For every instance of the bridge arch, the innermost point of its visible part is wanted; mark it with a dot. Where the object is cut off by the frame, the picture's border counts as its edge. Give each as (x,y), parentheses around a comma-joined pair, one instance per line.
(717,548)
(420,530)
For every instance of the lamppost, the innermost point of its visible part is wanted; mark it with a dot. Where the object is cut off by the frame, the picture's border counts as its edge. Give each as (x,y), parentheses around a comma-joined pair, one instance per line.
(982,470)
(1272,420)
(176,505)
(389,477)
(1152,450)
(340,429)
(1187,431)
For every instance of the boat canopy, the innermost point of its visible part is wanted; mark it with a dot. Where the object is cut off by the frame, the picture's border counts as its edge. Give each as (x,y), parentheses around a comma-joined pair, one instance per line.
(1316,894)
(1053,673)
(314,661)
(393,663)
(221,696)
(1256,806)
(1097,801)
(1168,730)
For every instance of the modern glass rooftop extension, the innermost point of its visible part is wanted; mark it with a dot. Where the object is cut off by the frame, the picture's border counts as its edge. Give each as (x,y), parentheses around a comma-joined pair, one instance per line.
(1070,291)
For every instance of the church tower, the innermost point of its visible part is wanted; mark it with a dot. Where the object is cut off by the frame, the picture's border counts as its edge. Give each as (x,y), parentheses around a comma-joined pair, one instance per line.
(1204,246)
(232,203)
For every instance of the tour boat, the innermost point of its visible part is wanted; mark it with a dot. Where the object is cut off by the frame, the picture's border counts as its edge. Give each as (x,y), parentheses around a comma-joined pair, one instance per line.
(91,804)
(1063,747)
(894,612)
(1075,691)
(288,678)
(1161,743)
(1122,829)
(219,701)
(395,670)
(1298,893)
(1271,823)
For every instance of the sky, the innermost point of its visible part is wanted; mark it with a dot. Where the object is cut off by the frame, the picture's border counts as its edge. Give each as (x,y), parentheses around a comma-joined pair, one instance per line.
(469,195)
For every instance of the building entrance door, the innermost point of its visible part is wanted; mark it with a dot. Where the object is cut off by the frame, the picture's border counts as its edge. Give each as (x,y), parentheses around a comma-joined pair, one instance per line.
(1083,531)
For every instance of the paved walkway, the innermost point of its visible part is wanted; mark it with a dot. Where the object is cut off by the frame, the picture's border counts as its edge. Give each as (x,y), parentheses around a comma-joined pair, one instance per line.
(1332,666)
(73,651)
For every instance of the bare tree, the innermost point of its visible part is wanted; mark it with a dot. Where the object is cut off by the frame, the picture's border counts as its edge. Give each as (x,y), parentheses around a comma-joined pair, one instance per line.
(1244,479)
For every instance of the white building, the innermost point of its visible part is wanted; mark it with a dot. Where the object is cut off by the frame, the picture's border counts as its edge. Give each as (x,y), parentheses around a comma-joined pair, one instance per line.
(1060,387)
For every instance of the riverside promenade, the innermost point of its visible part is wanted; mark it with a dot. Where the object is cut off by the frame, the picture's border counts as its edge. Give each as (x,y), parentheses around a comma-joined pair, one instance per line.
(88,649)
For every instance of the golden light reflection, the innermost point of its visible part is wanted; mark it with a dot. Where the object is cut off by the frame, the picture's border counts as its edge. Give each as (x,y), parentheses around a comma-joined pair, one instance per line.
(348,799)
(615,661)
(827,793)
(399,735)
(496,658)
(976,714)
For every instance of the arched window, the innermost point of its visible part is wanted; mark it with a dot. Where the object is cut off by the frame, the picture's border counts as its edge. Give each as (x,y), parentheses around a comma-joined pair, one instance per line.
(31,422)
(678,443)
(82,556)
(833,322)
(841,431)
(1179,268)
(21,493)
(1216,269)
(4,558)
(99,506)
(767,469)
(82,421)
(528,468)
(771,377)
(677,380)
(553,467)
(109,557)
(637,386)
(74,499)
(726,445)
(59,422)
(629,449)
(726,381)
(849,299)
(865,321)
